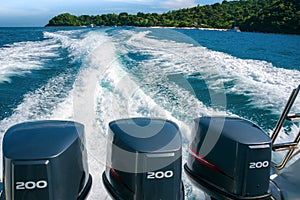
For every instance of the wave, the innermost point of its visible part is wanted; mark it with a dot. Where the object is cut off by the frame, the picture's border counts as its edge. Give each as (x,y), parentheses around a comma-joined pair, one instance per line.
(23,57)
(42,101)
(268,85)
(79,43)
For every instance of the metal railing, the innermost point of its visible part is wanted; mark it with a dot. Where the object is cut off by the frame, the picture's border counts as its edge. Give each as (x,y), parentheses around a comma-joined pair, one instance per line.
(290,147)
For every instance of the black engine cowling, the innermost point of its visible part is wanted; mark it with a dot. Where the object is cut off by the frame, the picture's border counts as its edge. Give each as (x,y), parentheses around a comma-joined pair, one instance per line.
(230,158)
(143,160)
(45,160)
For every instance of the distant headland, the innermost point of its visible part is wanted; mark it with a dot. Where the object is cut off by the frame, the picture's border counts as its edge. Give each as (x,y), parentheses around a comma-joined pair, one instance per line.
(269,16)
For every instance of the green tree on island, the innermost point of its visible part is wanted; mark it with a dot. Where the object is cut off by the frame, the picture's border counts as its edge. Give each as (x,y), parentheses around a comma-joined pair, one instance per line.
(271,16)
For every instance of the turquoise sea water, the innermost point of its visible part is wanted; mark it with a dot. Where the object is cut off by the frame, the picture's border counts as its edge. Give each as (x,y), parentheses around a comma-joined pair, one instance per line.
(98,75)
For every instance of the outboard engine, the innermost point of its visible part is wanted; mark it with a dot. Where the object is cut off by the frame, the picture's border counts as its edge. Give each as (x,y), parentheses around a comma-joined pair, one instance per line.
(144,160)
(45,160)
(230,158)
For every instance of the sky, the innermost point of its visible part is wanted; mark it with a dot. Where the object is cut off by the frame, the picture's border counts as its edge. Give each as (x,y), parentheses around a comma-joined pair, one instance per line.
(37,13)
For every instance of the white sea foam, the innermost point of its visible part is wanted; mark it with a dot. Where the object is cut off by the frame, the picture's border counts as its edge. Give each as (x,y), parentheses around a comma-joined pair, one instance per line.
(39,104)
(49,100)
(267,85)
(22,57)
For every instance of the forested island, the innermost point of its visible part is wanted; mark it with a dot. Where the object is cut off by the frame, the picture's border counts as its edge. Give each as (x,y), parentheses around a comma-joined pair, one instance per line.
(270,16)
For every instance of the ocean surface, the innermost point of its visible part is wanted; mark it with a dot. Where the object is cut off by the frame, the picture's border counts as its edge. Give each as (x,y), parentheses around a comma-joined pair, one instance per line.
(97,75)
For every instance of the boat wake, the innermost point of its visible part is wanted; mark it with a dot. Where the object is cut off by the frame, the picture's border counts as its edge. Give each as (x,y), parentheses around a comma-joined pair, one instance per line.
(132,73)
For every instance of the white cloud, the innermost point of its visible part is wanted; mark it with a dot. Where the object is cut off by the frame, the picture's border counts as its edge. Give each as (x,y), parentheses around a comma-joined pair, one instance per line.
(132,1)
(5,11)
(162,4)
(170,4)
(174,4)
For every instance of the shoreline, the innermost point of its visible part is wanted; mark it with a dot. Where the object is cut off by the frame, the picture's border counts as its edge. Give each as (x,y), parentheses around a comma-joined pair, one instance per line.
(154,27)
(205,29)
